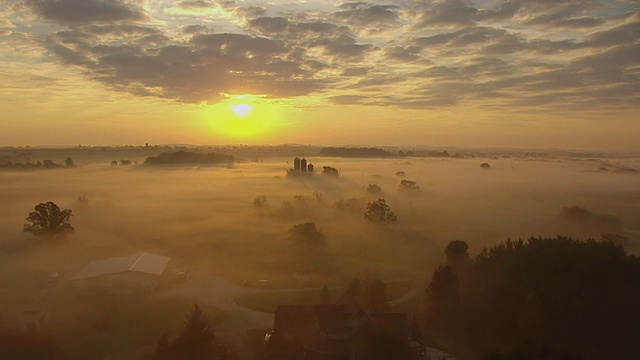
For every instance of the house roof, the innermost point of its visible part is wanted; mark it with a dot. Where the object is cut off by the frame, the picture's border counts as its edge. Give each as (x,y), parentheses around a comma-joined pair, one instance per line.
(296,321)
(331,328)
(140,263)
(394,323)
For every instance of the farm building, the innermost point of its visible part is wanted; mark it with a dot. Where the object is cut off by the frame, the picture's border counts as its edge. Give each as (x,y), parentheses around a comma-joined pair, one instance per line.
(126,273)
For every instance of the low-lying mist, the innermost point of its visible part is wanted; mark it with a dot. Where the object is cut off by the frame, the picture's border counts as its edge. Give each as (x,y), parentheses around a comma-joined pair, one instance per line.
(207,215)
(235,222)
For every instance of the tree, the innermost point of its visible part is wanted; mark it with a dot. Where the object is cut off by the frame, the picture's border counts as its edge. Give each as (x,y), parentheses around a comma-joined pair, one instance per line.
(68,162)
(328,170)
(49,220)
(83,200)
(195,338)
(260,203)
(575,296)
(194,342)
(443,290)
(378,212)
(456,252)
(285,210)
(49,164)
(409,187)
(306,235)
(374,189)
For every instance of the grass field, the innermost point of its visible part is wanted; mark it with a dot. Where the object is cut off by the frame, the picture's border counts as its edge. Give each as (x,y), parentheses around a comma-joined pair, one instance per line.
(118,326)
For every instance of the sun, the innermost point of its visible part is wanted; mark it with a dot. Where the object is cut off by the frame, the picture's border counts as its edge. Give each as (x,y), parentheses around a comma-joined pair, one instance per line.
(242,110)
(243,116)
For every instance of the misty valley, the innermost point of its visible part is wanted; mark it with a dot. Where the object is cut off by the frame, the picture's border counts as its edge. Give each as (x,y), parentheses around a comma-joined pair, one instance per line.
(418,253)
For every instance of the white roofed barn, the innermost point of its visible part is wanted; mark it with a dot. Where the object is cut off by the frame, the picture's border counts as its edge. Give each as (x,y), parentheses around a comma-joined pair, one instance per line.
(126,273)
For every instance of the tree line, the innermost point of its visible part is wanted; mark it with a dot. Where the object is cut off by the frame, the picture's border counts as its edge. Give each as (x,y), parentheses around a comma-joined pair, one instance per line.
(566,298)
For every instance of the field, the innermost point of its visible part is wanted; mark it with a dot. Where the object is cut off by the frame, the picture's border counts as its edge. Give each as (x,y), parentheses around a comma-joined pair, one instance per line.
(204,217)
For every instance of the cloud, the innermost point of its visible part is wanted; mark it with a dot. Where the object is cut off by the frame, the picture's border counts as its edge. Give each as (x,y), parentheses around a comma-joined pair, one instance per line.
(403,53)
(444,13)
(72,12)
(364,14)
(251,11)
(617,35)
(200,70)
(270,25)
(195,29)
(506,10)
(342,47)
(562,14)
(195,4)
(431,53)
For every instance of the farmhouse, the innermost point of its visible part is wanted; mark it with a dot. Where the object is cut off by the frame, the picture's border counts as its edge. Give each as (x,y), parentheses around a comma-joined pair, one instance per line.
(337,332)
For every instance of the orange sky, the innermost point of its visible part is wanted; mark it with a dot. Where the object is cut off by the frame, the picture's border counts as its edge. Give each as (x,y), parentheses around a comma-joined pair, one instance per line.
(520,73)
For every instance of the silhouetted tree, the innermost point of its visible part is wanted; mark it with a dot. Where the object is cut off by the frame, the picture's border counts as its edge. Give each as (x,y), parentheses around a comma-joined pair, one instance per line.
(378,212)
(195,338)
(456,252)
(306,235)
(443,290)
(188,157)
(409,186)
(589,222)
(83,200)
(285,210)
(328,170)
(49,164)
(614,239)
(49,220)
(575,296)
(260,202)
(374,189)
(194,342)
(68,162)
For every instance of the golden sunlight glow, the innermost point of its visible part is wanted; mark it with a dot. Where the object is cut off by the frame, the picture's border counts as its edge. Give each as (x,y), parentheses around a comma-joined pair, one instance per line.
(242,117)
(242,109)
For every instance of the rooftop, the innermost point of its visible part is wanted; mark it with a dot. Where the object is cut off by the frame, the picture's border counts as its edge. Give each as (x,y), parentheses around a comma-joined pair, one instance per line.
(140,263)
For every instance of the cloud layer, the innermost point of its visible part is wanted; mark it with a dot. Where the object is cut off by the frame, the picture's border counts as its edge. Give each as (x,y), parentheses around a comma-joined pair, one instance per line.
(415,54)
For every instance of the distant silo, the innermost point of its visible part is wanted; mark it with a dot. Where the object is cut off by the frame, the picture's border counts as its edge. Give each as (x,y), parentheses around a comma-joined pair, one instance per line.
(296,164)
(303,165)
(310,168)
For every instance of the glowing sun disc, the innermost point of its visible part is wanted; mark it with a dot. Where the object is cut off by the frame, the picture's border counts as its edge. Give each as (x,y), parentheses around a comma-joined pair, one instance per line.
(242,110)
